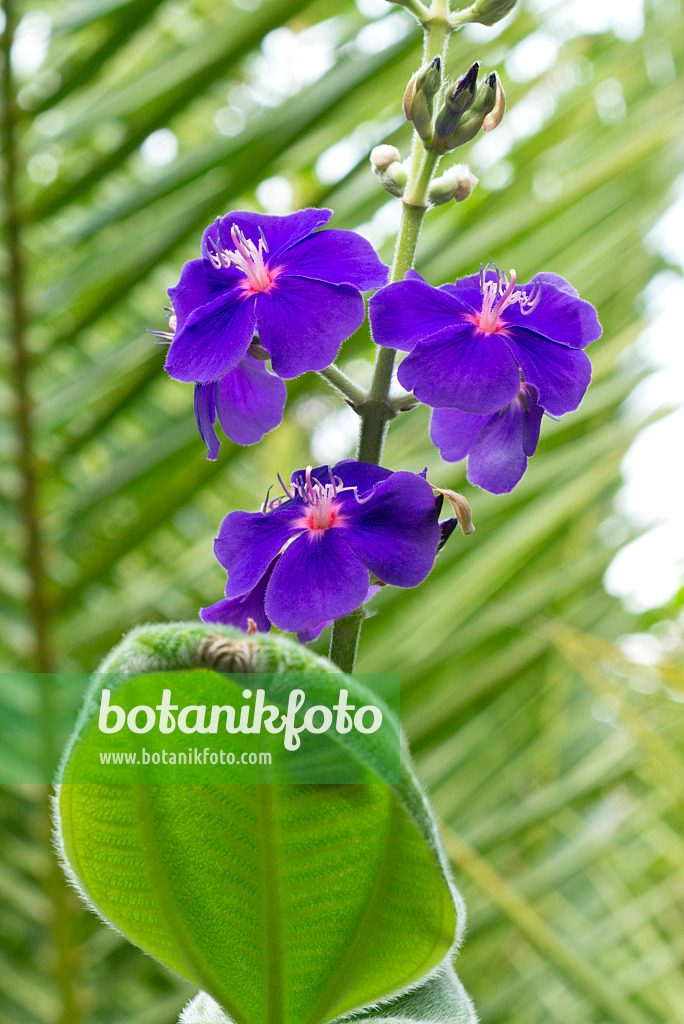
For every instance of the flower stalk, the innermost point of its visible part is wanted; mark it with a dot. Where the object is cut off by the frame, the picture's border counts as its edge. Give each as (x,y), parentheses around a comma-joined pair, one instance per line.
(377,410)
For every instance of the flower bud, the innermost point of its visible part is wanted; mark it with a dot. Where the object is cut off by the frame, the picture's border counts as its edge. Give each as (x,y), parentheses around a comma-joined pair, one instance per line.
(488,12)
(497,112)
(386,163)
(457,183)
(484,103)
(394,179)
(419,96)
(459,99)
(382,156)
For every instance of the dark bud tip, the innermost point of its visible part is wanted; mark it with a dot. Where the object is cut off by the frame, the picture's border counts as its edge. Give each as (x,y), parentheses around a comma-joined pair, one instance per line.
(446,528)
(436,63)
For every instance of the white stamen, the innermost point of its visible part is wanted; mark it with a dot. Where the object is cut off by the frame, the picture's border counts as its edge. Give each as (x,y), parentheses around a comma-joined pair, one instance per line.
(497,295)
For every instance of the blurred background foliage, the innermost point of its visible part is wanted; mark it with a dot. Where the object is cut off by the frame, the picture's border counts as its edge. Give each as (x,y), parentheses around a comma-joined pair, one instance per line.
(553,754)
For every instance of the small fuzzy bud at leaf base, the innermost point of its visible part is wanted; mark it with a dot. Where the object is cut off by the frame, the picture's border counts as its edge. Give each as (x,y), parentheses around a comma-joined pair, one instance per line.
(382,156)
(459,99)
(497,112)
(456,183)
(419,96)
(488,12)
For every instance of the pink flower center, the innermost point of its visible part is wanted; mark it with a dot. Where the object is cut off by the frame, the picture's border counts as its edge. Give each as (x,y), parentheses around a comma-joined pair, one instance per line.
(322,505)
(323,511)
(497,295)
(249,258)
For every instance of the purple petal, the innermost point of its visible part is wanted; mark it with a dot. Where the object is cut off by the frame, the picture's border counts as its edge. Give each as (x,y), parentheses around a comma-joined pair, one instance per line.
(560,316)
(249,401)
(454,432)
(307,635)
(338,257)
(213,340)
(532,421)
(469,370)
(237,611)
(560,374)
(280,232)
(395,533)
(467,285)
(545,277)
(200,283)
(497,461)
(407,312)
(360,475)
(317,578)
(205,414)
(249,541)
(302,323)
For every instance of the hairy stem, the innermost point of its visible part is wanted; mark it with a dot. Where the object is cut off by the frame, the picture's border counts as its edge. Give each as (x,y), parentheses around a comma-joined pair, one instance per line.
(344,385)
(345,640)
(378,410)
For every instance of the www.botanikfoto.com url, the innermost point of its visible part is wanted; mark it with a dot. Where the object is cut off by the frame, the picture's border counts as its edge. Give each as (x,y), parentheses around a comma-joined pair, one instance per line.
(194,755)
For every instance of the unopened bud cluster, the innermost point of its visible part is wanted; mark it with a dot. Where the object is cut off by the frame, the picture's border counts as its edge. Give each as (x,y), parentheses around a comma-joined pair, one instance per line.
(468,109)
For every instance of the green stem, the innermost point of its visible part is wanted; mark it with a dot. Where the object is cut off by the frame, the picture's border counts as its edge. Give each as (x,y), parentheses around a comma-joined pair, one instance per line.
(343,384)
(345,640)
(416,8)
(378,410)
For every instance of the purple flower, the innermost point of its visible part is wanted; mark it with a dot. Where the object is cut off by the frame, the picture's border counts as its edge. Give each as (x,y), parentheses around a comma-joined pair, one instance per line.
(248,402)
(330,529)
(498,446)
(470,343)
(298,287)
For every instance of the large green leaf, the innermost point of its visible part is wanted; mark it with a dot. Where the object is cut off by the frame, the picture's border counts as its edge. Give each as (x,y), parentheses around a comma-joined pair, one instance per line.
(285,903)
(440,999)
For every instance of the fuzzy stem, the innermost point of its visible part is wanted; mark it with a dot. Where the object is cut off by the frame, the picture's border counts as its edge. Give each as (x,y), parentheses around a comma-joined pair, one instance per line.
(344,385)
(345,640)
(378,410)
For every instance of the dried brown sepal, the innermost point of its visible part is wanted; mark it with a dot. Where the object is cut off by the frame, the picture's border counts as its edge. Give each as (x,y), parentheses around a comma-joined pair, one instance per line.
(460,506)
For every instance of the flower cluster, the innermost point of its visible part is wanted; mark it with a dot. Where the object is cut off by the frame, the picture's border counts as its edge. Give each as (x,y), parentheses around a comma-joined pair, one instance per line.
(298,287)
(490,357)
(304,559)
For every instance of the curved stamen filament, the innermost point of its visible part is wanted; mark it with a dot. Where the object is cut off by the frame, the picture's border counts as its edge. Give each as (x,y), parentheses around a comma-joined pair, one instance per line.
(246,257)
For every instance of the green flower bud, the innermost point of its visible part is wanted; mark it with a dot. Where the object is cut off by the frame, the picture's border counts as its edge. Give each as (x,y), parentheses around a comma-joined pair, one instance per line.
(419,96)
(484,104)
(459,99)
(457,183)
(393,179)
(488,12)
(497,112)
(386,163)
(382,156)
